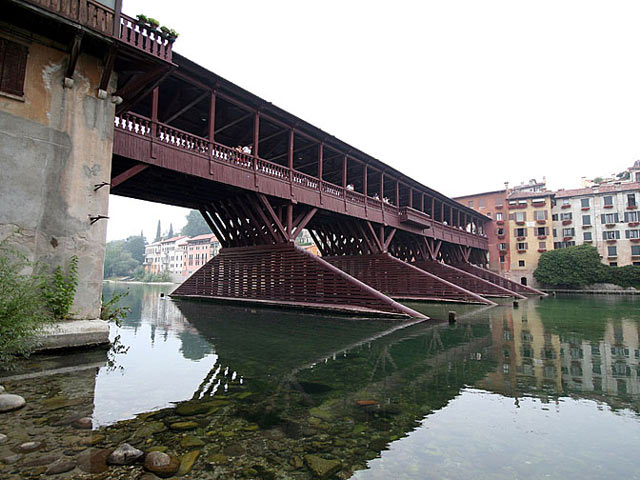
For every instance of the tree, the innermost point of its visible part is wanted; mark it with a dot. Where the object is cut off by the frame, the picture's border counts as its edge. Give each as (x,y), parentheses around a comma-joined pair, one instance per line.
(170,234)
(571,267)
(195,225)
(118,262)
(135,246)
(158,233)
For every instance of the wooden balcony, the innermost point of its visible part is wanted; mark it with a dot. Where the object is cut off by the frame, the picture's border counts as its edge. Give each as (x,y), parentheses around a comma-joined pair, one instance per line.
(415,217)
(133,134)
(112,23)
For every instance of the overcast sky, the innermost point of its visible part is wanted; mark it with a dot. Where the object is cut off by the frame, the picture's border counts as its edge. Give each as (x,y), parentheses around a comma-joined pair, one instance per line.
(461,95)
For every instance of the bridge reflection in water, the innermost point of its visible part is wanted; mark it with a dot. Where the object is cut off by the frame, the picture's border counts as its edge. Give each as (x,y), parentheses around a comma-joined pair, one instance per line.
(266,388)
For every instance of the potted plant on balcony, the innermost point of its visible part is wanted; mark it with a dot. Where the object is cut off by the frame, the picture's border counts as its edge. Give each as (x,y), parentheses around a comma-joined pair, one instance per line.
(148,21)
(169,33)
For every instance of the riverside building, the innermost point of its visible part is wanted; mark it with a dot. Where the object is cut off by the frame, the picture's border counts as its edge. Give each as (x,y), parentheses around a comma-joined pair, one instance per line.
(605,216)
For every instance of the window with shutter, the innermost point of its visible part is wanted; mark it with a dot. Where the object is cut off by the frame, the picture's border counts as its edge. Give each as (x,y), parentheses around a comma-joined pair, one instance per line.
(13,64)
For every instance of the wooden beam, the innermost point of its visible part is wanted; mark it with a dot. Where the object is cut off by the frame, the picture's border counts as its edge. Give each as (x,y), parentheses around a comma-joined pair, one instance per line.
(140,86)
(387,242)
(186,107)
(75,54)
(127,174)
(228,125)
(108,69)
(263,198)
(303,223)
(375,237)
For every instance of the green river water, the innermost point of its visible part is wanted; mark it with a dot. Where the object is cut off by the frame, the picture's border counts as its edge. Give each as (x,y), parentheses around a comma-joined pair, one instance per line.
(549,390)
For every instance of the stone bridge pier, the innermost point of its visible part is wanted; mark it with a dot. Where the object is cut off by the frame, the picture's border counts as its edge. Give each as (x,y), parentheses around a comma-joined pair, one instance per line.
(56,141)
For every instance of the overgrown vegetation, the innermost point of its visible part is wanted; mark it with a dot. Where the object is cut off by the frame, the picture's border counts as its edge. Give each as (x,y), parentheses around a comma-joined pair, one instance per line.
(580,266)
(111,311)
(59,290)
(23,308)
(154,277)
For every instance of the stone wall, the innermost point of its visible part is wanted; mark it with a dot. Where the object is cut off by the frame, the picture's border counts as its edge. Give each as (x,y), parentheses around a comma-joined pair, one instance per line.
(55,145)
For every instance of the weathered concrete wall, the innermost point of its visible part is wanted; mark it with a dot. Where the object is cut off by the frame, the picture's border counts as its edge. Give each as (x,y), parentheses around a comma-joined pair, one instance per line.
(55,145)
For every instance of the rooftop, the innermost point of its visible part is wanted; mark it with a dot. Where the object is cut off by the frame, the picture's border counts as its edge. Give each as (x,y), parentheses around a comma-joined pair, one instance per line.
(204,236)
(578,192)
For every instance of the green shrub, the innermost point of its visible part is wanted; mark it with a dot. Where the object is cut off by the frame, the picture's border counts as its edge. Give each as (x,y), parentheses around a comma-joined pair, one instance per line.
(153,277)
(628,276)
(23,309)
(112,312)
(581,265)
(60,289)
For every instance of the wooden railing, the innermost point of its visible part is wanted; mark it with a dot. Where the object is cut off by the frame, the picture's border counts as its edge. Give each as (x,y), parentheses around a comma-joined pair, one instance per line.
(145,38)
(98,17)
(159,132)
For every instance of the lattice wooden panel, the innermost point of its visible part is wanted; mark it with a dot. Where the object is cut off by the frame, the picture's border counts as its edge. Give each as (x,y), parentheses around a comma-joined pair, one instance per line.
(499,279)
(464,279)
(285,274)
(399,279)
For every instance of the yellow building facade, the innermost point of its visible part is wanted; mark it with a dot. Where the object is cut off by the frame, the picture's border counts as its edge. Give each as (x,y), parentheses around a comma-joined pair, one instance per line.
(530,232)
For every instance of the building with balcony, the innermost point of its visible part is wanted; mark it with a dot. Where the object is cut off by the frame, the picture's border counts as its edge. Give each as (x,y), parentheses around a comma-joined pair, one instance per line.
(152,258)
(493,205)
(520,230)
(605,216)
(198,251)
(530,229)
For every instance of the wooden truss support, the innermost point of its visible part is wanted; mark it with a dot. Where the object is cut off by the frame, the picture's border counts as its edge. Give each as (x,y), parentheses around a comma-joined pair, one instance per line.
(140,86)
(75,54)
(108,69)
(127,174)
(287,276)
(402,280)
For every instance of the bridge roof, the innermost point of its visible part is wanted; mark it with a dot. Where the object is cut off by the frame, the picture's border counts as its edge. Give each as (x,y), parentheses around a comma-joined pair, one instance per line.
(267,109)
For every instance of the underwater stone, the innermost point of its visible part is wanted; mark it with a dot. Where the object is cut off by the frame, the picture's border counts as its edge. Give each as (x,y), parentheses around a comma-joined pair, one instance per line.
(187,461)
(10,402)
(161,464)
(125,454)
(321,467)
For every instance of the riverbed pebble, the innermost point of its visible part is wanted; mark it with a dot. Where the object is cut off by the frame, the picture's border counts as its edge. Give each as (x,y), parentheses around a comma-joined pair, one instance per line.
(9,402)
(3,438)
(93,460)
(27,447)
(61,466)
(321,467)
(125,454)
(84,423)
(2,390)
(161,464)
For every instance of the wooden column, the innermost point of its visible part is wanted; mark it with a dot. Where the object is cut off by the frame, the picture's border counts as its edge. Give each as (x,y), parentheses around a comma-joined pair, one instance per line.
(116,18)
(410,197)
(441,211)
(155,94)
(290,153)
(397,193)
(320,151)
(290,220)
(256,134)
(364,182)
(344,172)
(212,117)
(433,208)
(422,203)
